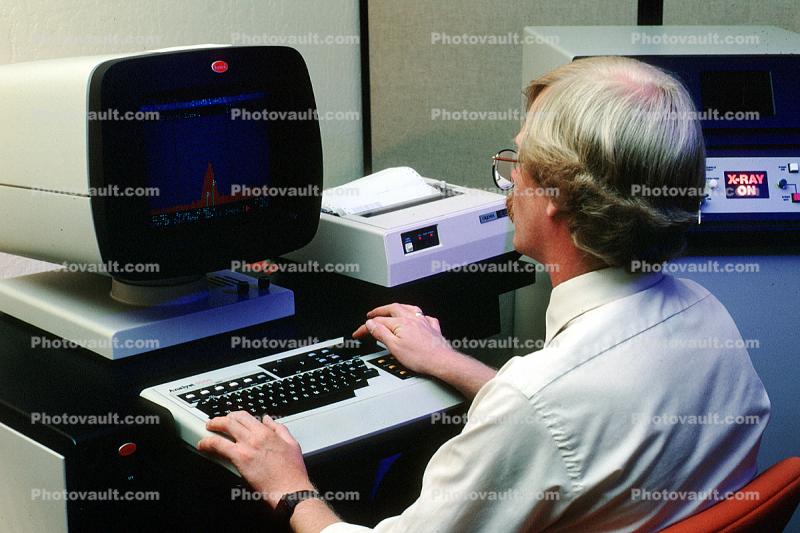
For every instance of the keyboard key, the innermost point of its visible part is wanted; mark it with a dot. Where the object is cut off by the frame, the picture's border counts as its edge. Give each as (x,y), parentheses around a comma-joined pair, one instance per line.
(392,366)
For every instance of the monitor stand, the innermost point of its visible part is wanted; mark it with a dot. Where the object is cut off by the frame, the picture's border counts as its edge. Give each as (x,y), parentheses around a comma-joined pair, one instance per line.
(117,319)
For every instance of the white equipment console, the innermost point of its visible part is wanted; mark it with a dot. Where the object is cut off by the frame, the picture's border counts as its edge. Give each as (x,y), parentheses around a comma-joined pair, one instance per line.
(743,81)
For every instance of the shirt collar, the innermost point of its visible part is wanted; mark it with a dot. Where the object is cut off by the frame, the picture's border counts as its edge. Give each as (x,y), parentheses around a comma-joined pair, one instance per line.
(576,296)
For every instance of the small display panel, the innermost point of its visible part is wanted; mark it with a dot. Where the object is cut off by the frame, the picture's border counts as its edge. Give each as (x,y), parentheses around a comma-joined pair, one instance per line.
(738,92)
(204,159)
(419,239)
(746,184)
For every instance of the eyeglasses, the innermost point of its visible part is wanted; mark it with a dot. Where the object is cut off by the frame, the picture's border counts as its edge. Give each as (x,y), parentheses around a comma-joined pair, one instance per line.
(504,163)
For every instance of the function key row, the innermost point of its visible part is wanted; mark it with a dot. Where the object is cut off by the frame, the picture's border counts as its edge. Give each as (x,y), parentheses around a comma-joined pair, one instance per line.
(226,387)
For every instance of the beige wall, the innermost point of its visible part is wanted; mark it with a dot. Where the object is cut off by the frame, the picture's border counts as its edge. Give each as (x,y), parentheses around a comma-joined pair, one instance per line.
(411,77)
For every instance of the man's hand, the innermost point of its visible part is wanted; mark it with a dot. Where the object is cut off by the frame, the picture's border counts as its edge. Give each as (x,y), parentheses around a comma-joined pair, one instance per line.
(414,339)
(264,452)
(417,342)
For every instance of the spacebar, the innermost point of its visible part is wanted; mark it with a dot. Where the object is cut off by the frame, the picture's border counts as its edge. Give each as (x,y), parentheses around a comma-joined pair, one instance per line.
(313,403)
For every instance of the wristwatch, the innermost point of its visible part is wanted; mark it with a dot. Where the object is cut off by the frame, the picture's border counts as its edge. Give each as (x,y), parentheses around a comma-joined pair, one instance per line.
(285,507)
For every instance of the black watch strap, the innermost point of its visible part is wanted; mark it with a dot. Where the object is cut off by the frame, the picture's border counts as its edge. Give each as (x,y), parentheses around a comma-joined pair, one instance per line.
(288,502)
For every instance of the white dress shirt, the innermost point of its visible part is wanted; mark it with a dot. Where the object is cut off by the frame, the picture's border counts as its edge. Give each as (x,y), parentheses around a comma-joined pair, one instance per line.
(642,404)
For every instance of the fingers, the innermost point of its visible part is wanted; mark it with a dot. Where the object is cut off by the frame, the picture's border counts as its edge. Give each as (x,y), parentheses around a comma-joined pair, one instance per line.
(246,419)
(395,310)
(434,323)
(364,329)
(229,425)
(269,422)
(361,332)
(369,327)
(380,332)
(391,323)
(238,425)
(217,445)
(281,431)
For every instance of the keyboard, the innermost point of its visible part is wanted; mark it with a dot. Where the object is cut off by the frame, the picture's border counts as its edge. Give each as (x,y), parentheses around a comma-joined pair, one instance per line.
(327,394)
(303,382)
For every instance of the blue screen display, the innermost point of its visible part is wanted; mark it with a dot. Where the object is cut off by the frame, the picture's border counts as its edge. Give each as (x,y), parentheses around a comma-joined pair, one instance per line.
(204,160)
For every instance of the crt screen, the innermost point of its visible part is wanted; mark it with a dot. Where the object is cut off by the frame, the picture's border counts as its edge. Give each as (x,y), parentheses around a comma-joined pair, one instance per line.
(203,158)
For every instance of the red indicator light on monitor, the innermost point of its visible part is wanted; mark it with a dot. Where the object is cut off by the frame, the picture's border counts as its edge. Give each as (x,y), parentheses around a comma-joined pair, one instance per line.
(219,66)
(129,448)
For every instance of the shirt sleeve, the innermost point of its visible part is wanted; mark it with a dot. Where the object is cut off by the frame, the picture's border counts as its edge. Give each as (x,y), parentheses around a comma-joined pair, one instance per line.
(503,472)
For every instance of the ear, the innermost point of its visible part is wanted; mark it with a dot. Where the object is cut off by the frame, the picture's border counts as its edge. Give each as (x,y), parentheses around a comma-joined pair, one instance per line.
(551,209)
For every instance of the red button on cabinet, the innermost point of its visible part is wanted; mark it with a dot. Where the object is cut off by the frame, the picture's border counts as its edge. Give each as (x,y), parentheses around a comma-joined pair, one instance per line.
(796,197)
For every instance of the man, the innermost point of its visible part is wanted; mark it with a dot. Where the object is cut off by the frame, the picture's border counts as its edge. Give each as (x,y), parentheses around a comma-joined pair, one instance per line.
(593,432)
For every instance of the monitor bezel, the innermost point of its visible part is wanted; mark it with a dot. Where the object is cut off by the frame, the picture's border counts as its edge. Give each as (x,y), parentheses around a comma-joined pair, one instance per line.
(116,157)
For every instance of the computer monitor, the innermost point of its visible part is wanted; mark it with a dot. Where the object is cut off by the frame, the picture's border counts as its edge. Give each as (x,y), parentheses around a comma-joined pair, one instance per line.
(213,139)
(155,168)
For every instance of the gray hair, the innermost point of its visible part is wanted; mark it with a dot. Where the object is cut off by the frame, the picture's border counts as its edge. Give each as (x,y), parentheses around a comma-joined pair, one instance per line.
(602,131)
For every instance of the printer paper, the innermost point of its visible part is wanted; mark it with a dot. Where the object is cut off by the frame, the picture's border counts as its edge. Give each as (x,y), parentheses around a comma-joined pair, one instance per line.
(384,189)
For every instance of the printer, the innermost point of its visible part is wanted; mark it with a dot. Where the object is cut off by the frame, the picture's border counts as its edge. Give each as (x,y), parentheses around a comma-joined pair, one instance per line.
(395,227)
